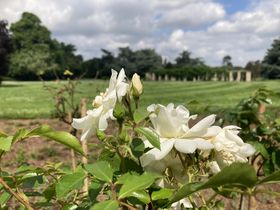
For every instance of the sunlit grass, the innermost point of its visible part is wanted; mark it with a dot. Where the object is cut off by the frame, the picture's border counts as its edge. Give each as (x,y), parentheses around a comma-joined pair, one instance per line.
(31,100)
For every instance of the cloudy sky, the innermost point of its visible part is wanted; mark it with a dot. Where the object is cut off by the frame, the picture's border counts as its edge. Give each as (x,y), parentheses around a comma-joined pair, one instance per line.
(210,29)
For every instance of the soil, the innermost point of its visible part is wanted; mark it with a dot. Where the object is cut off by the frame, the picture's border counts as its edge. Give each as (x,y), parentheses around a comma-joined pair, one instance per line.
(38,152)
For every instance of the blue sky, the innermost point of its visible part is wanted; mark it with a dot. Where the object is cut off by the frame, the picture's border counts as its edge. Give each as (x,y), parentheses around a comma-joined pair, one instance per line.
(233,6)
(210,29)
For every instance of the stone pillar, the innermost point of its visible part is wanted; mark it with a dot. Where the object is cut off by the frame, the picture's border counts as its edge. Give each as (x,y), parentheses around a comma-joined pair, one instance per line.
(194,79)
(159,78)
(153,76)
(238,78)
(166,77)
(248,77)
(222,77)
(148,76)
(230,76)
(198,78)
(215,78)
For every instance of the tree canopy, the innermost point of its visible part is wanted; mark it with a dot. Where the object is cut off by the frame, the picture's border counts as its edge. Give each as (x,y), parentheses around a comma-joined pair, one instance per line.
(5,48)
(271,61)
(37,54)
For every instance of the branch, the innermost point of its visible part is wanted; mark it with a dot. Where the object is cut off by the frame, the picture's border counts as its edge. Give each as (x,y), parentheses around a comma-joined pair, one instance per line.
(17,196)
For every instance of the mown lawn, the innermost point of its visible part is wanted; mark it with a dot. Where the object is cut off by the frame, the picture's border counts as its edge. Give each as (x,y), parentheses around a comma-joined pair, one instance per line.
(31,100)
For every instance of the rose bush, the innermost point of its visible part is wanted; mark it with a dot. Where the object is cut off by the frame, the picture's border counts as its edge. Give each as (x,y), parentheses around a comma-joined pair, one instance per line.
(161,159)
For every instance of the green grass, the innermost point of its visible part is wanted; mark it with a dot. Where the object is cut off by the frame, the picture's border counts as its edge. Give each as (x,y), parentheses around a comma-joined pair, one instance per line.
(31,100)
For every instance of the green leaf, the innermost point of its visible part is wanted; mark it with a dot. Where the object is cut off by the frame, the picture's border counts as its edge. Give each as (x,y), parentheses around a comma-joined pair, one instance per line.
(20,134)
(260,148)
(94,189)
(237,173)
(101,170)
(49,192)
(4,198)
(142,195)
(68,183)
(135,183)
(59,136)
(137,147)
(150,135)
(138,116)
(273,178)
(241,174)
(163,193)
(5,143)
(106,205)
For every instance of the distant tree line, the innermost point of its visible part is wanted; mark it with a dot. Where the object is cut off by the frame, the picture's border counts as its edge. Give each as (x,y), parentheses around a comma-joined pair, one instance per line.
(28,52)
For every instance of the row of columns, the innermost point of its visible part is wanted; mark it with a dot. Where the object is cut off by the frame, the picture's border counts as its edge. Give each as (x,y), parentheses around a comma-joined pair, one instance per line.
(217,77)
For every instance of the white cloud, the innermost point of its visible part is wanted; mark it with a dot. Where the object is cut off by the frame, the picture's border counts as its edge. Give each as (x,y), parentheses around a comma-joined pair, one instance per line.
(193,14)
(169,26)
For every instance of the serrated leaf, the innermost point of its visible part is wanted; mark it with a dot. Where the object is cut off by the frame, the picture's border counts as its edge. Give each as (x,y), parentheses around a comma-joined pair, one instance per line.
(150,135)
(142,195)
(135,183)
(273,178)
(101,170)
(59,136)
(106,205)
(5,143)
(137,147)
(163,193)
(68,183)
(94,189)
(241,174)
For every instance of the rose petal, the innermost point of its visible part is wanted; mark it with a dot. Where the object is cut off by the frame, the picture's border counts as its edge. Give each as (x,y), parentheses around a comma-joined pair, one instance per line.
(156,154)
(189,146)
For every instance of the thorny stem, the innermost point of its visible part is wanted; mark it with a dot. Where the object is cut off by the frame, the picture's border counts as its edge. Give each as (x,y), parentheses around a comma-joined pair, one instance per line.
(182,160)
(113,190)
(241,203)
(17,196)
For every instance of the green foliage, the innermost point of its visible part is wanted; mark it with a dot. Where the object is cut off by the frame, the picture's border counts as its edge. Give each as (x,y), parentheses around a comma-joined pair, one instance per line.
(101,170)
(115,178)
(68,183)
(5,48)
(36,54)
(59,136)
(151,136)
(271,61)
(237,174)
(5,143)
(259,128)
(134,183)
(106,205)
(31,63)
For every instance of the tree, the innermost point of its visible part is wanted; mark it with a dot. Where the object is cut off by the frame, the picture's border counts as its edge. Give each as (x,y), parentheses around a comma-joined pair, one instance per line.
(271,61)
(31,63)
(29,31)
(65,58)
(5,48)
(227,62)
(185,60)
(36,53)
(147,60)
(254,67)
